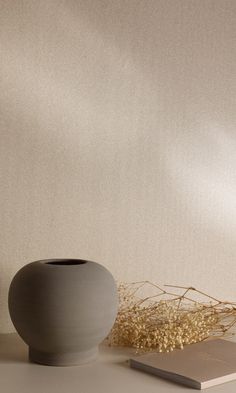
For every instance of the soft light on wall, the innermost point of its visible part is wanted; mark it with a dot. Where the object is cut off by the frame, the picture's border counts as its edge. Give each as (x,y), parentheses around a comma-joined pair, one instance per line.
(118,139)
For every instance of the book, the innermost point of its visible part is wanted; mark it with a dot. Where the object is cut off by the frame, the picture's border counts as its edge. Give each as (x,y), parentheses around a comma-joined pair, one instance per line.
(200,366)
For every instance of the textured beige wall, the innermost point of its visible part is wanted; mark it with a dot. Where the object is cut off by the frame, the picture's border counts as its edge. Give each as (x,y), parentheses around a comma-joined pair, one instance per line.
(118,139)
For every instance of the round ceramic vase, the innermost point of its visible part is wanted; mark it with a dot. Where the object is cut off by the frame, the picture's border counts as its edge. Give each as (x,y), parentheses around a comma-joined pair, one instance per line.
(62,309)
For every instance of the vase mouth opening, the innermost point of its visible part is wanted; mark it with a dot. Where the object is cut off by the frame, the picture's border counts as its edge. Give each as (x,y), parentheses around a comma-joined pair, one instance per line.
(66,262)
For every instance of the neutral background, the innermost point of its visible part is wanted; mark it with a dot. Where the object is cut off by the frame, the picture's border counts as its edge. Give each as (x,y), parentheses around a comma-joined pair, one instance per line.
(118,139)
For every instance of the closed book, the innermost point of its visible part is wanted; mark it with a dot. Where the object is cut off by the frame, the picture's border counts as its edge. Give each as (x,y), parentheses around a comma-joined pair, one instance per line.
(199,366)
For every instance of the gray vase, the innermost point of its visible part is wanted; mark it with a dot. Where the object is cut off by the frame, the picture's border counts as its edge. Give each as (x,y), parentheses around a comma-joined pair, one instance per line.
(63,308)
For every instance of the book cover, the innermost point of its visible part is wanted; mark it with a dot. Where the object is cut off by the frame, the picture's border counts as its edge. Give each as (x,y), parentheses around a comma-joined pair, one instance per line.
(199,366)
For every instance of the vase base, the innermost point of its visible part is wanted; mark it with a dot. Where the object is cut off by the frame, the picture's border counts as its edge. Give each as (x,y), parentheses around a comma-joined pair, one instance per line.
(63,359)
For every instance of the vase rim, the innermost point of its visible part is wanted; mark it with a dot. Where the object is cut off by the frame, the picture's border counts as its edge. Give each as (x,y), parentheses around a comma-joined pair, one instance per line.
(63,262)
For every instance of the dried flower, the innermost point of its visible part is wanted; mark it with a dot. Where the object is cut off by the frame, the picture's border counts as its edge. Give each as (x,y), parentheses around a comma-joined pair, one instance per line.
(172,321)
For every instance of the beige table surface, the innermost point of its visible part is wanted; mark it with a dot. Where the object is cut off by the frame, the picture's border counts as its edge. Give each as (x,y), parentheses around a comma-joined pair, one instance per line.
(110,373)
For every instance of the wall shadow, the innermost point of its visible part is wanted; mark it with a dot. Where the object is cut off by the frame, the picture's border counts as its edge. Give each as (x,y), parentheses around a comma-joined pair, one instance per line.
(12,349)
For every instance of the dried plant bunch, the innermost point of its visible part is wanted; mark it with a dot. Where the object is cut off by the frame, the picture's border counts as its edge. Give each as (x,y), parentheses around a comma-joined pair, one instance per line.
(165,320)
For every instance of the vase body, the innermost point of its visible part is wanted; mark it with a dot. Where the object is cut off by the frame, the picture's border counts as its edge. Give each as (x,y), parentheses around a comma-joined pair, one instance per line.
(62,309)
